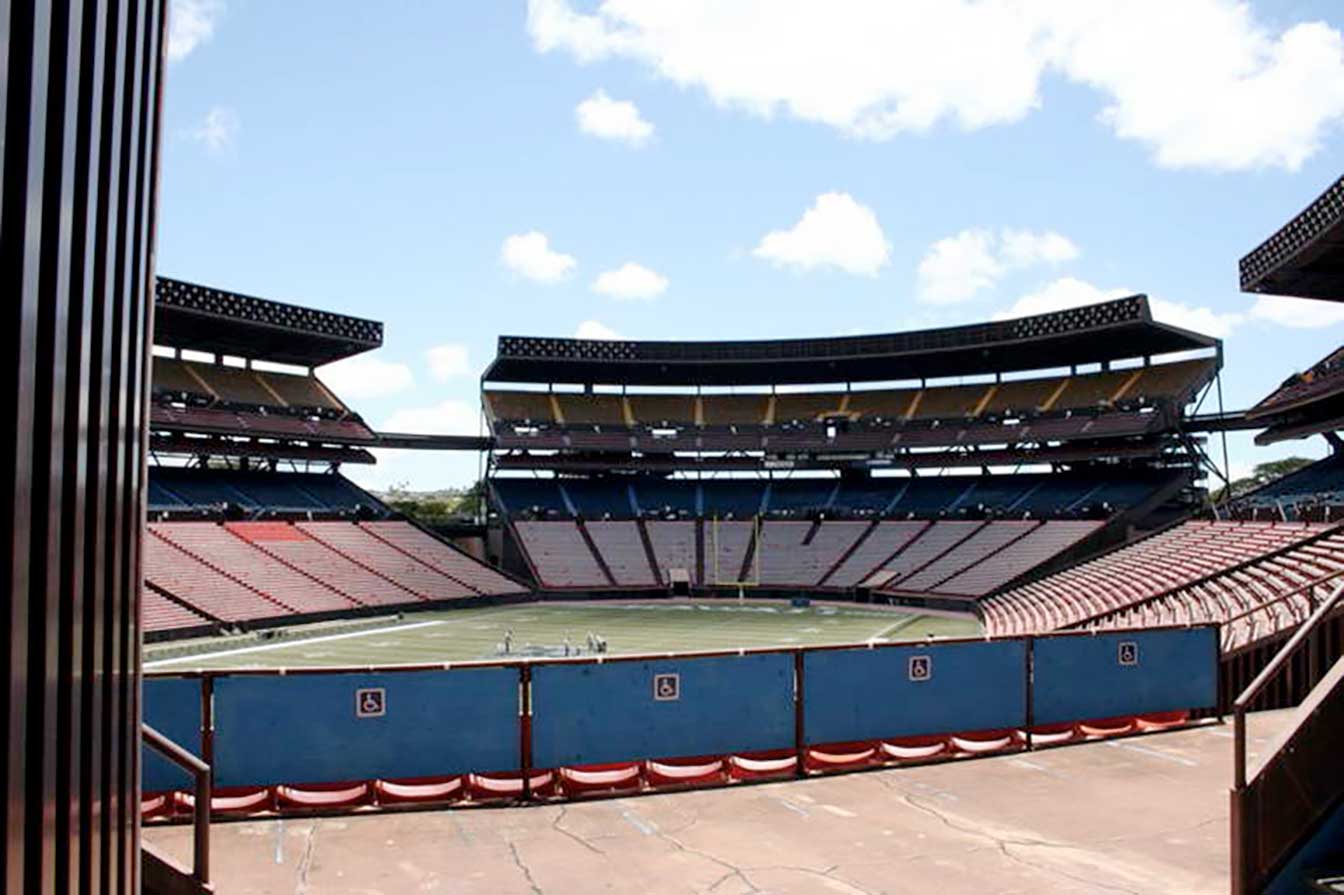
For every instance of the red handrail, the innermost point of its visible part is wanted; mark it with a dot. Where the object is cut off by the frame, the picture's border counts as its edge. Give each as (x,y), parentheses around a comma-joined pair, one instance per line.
(199,770)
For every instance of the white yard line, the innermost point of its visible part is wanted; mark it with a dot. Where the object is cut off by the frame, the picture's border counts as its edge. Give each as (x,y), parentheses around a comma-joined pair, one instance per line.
(197,657)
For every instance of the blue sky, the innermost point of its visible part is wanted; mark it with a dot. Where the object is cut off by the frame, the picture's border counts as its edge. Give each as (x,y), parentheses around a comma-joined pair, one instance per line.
(742,170)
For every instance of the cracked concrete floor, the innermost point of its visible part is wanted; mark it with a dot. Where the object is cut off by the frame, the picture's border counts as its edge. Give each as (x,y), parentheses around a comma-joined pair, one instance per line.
(1141,815)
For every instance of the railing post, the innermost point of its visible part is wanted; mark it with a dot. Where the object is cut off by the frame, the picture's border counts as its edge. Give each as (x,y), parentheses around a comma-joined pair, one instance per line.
(799,733)
(201,809)
(525,727)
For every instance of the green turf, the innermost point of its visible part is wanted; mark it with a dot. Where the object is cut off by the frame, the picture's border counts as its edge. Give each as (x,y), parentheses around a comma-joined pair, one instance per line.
(541,629)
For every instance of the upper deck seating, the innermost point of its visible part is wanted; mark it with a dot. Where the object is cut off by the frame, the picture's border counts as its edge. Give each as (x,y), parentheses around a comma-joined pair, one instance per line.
(175,488)
(597,409)
(599,499)
(535,496)
(727,410)
(661,410)
(885,404)
(950,401)
(520,407)
(1016,397)
(807,406)
(299,391)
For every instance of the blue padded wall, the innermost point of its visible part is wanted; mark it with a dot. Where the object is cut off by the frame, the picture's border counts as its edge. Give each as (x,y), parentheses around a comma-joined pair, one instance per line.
(590,713)
(302,728)
(867,694)
(1078,678)
(172,706)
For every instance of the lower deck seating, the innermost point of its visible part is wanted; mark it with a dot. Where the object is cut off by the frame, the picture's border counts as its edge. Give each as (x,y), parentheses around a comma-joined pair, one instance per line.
(674,547)
(238,572)
(1196,571)
(158,613)
(946,557)
(560,555)
(622,549)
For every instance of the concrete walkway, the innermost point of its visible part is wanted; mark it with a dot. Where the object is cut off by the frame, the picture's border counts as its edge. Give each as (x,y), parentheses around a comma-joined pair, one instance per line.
(1140,815)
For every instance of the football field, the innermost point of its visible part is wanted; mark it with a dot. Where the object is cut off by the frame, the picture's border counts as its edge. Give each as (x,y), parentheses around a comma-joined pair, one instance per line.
(536,630)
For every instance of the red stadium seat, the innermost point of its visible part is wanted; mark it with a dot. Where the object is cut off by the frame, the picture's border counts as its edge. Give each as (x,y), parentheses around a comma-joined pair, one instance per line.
(324,795)
(982,742)
(684,772)
(840,756)
(240,800)
(915,748)
(762,765)
(1106,727)
(509,785)
(600,778)
(418,791)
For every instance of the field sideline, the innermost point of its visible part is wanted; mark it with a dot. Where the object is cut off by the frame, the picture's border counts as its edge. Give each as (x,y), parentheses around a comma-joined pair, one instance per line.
(541,629)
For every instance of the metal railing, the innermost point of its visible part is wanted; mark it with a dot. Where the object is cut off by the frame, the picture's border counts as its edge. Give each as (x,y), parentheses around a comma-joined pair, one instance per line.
(200,772)
(1243,826)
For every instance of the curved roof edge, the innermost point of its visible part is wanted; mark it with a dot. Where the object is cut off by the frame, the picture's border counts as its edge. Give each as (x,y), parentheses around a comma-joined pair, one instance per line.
(203,318)
(1304,257)
(1110,330)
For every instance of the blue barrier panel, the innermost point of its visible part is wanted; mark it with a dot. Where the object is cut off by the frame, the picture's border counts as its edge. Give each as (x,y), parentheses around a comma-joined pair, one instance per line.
(920,688)
(326,728)
(1083,677)
(661,708)
(172,706)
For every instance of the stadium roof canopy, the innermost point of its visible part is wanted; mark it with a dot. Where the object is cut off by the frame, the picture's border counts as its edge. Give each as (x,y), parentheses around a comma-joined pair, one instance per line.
(201,318)
(1112,330)
(1306,256)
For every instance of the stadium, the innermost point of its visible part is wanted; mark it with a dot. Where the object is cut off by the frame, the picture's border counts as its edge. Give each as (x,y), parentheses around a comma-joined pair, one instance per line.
(1019,502)
(733,615)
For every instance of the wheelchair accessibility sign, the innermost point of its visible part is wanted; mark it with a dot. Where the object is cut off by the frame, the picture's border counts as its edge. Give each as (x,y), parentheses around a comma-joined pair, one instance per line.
(370,702)
(1127,653)
(920,669)
(666,687)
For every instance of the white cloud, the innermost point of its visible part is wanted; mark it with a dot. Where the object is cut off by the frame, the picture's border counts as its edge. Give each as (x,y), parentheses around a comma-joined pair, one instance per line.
(836,232)
(610,119)
(451,417)
(592,329)
(1068,292)
(1297,313)
(219,129)
(957,267)
(530,255)
(1183,79)
(190,24)
(630,281)
(448,361)
(363,376)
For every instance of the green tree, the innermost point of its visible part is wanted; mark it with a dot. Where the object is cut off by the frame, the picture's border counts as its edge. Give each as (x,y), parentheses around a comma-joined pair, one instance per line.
(1262,474)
